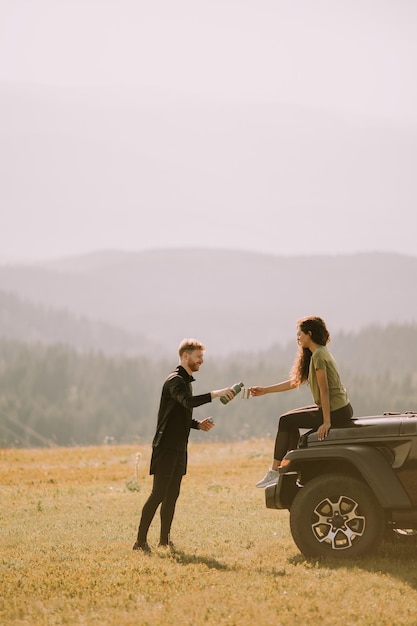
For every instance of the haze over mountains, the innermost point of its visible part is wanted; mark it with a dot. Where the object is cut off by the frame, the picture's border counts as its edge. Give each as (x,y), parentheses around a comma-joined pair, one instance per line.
(25,321)
(132,168)
(233,301)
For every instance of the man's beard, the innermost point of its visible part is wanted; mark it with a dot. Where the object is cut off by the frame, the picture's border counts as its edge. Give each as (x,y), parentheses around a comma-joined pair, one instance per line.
(194,366)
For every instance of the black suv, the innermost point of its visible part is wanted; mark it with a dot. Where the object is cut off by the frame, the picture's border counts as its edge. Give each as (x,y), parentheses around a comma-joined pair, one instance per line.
(345,492)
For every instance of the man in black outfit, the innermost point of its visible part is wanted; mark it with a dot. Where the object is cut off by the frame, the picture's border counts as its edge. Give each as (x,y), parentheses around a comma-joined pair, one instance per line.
(169,446)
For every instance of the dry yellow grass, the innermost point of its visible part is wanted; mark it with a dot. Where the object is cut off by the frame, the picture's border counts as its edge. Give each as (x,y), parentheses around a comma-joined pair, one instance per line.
(69,518)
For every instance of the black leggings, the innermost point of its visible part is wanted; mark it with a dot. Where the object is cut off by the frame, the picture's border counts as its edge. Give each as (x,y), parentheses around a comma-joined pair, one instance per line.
(310,417)
(165,490)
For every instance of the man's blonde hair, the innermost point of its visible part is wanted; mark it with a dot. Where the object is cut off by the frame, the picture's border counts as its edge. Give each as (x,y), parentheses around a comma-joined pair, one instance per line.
(189,345)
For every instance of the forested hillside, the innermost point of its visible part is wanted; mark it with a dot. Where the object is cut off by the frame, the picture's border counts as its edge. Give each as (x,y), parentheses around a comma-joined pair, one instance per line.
(54,395)
(27,321)
(232,300)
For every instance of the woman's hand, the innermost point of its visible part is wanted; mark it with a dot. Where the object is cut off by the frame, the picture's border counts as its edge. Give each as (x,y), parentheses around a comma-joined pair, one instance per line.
(323,431)
(285,385)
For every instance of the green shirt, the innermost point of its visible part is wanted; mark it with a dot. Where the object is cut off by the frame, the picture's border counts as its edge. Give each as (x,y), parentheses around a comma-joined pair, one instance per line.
(321,359)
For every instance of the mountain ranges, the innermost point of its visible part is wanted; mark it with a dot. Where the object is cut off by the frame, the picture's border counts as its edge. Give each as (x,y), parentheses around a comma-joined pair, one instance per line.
(234,301)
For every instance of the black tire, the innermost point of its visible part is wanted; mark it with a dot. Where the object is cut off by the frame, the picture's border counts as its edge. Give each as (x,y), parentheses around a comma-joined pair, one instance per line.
(336,516)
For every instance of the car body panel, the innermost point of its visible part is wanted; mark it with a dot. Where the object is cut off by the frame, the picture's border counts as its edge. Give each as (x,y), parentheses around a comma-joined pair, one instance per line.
(381,449)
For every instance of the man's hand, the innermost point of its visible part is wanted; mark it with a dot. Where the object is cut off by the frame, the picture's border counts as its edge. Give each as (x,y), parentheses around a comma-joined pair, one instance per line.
(206,424)
(227,392)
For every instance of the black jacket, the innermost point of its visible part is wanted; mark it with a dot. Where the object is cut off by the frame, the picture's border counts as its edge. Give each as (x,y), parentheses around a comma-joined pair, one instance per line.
(175,415)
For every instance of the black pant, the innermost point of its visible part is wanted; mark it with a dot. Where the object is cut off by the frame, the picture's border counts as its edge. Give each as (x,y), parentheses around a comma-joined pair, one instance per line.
(310,417)
(165,491)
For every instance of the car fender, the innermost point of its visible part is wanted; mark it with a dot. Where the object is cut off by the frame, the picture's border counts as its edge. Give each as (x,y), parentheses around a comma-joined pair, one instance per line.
(368,461)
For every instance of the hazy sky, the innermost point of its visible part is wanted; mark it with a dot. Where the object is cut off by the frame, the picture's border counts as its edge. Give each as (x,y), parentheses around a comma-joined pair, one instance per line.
(286,127)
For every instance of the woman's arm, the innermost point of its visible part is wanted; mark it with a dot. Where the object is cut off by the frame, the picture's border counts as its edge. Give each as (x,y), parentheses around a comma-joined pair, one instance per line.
(325,403)
(285,385)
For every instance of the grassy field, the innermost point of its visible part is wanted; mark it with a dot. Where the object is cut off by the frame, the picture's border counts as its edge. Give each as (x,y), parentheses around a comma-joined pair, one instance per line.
(69,518)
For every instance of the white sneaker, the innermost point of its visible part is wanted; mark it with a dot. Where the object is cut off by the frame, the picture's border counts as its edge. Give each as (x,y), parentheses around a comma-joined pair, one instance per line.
(270,478)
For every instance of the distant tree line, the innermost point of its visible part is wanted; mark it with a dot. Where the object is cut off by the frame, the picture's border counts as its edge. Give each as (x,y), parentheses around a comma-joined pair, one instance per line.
(54,395)
(22,320)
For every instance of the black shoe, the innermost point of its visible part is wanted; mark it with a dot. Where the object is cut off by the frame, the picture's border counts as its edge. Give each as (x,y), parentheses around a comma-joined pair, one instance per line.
(167,544)
(145,547)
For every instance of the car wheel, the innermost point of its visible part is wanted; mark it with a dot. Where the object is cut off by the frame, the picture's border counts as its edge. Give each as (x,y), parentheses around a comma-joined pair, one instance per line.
(336,516)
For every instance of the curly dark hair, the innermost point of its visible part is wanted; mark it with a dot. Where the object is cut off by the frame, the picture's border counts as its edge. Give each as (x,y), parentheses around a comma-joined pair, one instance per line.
(320,335)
